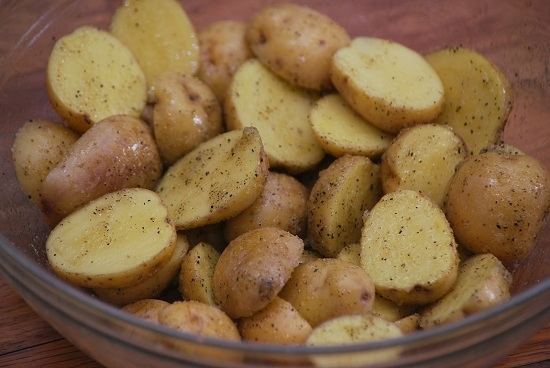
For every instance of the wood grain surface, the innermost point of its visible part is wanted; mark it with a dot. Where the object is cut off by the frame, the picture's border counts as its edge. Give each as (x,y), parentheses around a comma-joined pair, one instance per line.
(26,340)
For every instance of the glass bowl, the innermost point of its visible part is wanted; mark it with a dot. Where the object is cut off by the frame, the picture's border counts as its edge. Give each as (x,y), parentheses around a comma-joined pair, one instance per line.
(514,34)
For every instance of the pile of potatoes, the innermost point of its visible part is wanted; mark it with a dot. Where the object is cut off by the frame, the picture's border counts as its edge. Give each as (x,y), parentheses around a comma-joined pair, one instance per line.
(295,184)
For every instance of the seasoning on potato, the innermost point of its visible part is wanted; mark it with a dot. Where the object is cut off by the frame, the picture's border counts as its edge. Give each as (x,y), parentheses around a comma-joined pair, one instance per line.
(84,88)
(408,248)
(160,35)
(215,181)
(376,77)
(497,202)
(39,145)
(342,193)
(186,108)
(327,288)
(253,269)
(296,43)
(117,152)
(115,241)
(423,158)
(196,273)
(478,97)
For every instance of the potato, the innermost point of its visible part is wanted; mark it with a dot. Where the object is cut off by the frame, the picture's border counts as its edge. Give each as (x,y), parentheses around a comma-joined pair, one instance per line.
(257,97)
(354,329)
(278,323)
(160,35)
(253,269)
(296,43)
(223,48)
(197,270)
(211,234)
(408,323)
(215,181)
(422,158)
(390,310)
(388,84)
(498,202)
(115,241)
(344,191)
(199,318)
(340,130)
(118,152)
(327,288)
(147,309)
(478,97)
(186,108)
(84,88)
(309,255)
(408,248)
(39,145)
(282,204)
(351,252)
(482,282)
(151,287)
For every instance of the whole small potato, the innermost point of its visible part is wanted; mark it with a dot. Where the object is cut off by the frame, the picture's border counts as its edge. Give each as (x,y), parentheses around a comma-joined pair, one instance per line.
(253,269)
(115,153)
(147,309)
(38,146)
(185,114)
(328,288)
(497,202)
(223,48)
(282,204)
(296,43)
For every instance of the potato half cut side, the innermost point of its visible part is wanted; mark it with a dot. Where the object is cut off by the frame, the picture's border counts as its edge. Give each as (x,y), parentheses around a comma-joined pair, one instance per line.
(478,98)
(215,181)
(197,270)
(257,97)
(388,84)
(160,35)
(151,287)
(115,241)
(344,191)
(482,282)
(91,75)
(423,158)
(408,248)
(341,130)
(354,329)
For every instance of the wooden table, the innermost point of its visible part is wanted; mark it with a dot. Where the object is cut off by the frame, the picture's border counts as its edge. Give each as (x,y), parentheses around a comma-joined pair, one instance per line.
(26,340)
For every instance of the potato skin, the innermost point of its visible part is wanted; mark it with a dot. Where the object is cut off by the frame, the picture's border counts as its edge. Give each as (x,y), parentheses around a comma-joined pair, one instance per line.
(328,288)
(223,48)
(296,43)
(497,202)
(278,323)
(186,108)
(253,269)
(282,204)
(118,152)
(39,145)
(147,309)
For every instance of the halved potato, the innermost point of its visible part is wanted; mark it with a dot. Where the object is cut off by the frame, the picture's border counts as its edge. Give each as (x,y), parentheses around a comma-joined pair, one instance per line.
(160,35)
(388,84)
(482,282)
(197,270)
(153,286)
(91,75)
(257,97)
(478,97)
(423,158)
(115,241)
(340,130)
(344,191)
(39,145)
(354,329)
(215,181)
(408,248)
